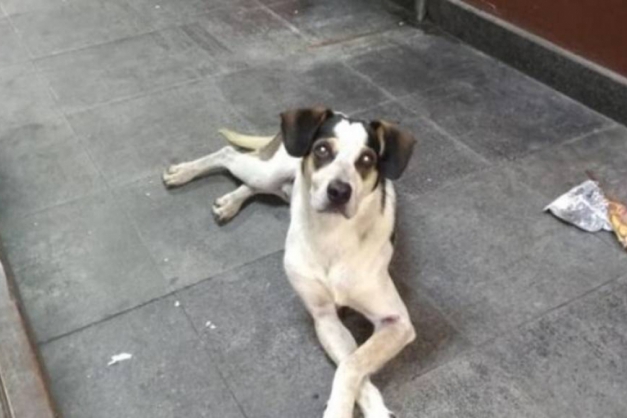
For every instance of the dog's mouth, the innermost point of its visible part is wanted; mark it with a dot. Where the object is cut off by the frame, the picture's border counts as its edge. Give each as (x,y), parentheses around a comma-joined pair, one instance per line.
(332,209)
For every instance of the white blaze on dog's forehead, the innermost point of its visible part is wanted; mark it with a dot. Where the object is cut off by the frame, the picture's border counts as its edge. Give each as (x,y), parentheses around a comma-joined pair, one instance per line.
(352,138)
(347,130)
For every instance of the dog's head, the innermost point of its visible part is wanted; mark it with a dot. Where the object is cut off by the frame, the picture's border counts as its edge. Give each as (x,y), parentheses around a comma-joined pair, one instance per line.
(344,159)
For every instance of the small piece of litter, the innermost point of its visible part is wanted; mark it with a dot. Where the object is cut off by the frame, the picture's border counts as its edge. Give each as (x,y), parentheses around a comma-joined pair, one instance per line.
(208,324)
(212,326)
(157,7)
(119,357)
(588,207)
(147,194)
(401,23)
(583,206)
(177,303)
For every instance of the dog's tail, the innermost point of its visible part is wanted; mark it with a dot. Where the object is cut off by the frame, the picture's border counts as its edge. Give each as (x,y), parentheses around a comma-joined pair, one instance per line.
(249,142)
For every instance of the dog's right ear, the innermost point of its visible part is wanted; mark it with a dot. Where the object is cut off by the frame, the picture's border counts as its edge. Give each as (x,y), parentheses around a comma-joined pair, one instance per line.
(299,128)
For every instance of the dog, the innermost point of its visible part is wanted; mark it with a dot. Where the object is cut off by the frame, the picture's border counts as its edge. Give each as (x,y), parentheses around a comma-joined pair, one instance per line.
(336,172)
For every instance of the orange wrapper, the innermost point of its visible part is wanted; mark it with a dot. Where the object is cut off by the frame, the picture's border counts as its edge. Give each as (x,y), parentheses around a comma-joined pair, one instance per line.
(617,212)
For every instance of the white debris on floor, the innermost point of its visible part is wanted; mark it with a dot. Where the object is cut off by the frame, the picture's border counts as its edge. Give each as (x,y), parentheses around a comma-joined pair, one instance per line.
(584,206)
(177,303)
(210,325)
(115,359)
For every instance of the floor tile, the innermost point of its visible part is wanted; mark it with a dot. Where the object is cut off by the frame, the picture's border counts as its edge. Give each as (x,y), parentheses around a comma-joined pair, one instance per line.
(31,100)
(490,259)
(169,374)
(261,94)
(510,117)
(267,347)
(556,170)
(182,236)
(79,263)
(263,340)
(11,50)
(572,362)
(125,68)
(424,62)
(135,138)
(42,165)
(472,387)
(74,25)
(437,158)
(333,21)
(245,35)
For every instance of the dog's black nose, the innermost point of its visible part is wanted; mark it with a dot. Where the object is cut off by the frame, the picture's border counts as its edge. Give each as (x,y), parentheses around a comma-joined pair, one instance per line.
(339,192)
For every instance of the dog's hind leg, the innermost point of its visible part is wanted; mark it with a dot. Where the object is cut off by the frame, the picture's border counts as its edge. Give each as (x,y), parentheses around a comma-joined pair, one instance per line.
(180,174)
(229,205)
(265,176)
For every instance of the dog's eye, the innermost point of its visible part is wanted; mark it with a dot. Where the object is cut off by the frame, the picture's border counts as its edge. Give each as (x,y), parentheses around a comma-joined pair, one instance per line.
(366,160)
(322,151)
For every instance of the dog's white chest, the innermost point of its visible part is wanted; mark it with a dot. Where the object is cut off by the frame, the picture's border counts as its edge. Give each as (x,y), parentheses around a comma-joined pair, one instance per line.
(342,255)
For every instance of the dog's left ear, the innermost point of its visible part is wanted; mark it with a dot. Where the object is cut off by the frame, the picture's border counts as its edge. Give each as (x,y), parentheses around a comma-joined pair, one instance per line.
(299,128)
(397,146)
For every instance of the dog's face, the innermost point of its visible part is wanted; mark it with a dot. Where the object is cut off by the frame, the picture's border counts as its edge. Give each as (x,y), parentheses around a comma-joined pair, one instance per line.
(344,160)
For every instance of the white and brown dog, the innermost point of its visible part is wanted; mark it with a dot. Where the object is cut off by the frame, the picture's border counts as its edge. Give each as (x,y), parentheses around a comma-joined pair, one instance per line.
(336,173)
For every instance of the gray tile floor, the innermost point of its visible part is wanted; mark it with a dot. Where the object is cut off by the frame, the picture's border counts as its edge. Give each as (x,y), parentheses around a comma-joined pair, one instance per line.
(518,315)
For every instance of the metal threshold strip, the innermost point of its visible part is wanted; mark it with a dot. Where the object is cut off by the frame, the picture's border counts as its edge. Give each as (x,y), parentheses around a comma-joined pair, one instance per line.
(23,389)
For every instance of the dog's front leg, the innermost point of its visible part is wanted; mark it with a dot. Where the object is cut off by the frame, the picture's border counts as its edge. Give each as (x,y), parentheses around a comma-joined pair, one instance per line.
(339,344)
(336,339)
(393,331)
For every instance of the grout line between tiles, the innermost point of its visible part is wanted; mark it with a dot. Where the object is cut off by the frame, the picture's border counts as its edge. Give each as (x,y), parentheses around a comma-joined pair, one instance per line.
(544,314)
(71,50)
(155,299)
(215,364)
(369,80)
(289,25)
(475,349)
(450,136)
(569,141)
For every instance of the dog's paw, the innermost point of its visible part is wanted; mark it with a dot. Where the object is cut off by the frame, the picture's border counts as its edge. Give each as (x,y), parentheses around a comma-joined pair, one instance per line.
(224,209)
(177,175)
